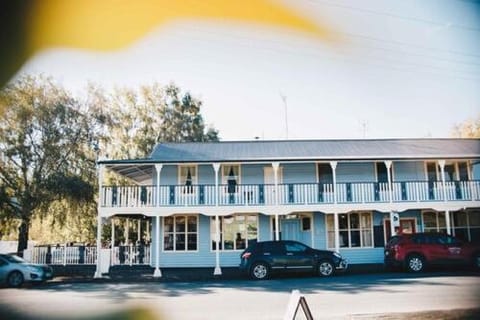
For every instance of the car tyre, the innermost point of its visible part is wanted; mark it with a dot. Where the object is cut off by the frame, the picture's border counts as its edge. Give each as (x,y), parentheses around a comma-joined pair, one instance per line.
(325,268)
(415,263)
(260,271)
(15,279)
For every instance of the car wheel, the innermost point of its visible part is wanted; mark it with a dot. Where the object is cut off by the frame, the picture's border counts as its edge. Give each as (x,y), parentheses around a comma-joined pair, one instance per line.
(15,279)
(415,263)
(260,271)
(325,268)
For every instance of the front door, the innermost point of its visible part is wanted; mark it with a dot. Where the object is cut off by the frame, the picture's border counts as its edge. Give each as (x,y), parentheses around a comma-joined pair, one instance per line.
(290,229)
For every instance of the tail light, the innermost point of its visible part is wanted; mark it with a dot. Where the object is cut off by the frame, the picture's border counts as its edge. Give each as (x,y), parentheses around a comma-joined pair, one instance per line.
(246,255)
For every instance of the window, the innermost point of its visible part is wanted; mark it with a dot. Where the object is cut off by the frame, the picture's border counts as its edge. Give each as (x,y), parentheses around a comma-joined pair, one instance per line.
(355,230)
(463,171)
(231,177)
(236,231)
(431,171)
(382,173)
(180,233)
(465,224)
(434,221)
(188,178)
(295,247)
(325,174)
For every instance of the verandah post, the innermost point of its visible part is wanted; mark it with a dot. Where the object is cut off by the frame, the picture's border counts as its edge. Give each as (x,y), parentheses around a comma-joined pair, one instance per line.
(218,270)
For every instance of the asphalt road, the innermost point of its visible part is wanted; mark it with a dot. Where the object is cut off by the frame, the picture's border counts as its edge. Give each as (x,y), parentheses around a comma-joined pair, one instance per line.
(341,297)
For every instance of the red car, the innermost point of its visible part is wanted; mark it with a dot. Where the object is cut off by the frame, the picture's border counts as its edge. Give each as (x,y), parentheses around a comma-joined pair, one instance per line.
(416,251)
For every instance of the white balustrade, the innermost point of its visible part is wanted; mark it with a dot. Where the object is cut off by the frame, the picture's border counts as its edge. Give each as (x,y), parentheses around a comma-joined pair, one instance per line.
(295,193)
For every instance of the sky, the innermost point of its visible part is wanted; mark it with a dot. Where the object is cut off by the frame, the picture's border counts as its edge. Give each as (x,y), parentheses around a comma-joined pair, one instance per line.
(399,69)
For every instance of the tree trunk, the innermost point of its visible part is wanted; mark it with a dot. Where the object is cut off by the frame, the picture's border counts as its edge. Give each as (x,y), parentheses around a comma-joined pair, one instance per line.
(23,236)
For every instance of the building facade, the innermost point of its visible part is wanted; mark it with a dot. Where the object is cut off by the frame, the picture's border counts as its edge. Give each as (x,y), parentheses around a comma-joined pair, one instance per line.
(205,202)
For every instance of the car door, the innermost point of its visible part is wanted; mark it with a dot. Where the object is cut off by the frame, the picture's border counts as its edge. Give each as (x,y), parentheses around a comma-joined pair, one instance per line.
(274,253)
(456,250)
(298,256)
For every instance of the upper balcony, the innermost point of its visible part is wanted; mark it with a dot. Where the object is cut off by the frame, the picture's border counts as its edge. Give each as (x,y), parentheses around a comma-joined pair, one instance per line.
(286,194)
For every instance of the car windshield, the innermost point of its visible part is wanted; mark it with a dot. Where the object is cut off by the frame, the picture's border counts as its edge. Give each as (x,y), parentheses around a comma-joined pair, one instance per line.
(13,258)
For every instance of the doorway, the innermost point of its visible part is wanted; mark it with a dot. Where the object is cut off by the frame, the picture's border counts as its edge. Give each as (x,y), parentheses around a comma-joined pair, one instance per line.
(407,225)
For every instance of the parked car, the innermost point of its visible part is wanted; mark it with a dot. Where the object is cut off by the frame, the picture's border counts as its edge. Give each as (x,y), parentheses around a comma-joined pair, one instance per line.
(14,271)
(415,252)
(261,259)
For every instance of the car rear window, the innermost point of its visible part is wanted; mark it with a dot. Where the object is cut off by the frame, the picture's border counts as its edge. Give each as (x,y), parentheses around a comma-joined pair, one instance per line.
(393,241)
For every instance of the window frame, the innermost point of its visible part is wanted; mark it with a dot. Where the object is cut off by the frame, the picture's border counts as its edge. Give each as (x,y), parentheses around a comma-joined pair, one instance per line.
(245,235)
(174,233)
(360,229)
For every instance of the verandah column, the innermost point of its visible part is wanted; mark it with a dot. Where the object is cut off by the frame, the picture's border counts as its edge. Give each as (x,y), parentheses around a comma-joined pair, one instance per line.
(275,166)
(157,273)
(388,164)
(112,246)
(98,272)
(218,270)
(333,165)
(441,163)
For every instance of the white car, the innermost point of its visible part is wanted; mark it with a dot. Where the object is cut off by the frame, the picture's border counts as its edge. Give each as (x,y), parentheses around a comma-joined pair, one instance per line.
(14,271)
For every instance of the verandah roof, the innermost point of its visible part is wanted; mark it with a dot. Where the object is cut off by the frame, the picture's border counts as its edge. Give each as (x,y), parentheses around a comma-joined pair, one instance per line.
(296,150)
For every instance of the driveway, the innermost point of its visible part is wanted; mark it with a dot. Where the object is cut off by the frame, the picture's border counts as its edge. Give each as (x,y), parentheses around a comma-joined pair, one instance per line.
(341,297)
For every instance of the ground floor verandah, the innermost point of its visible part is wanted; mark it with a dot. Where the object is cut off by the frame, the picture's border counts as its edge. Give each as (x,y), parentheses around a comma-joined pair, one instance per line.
(201,240)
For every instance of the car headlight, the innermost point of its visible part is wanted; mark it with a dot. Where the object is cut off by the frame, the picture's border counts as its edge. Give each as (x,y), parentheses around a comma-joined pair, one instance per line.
(338,255)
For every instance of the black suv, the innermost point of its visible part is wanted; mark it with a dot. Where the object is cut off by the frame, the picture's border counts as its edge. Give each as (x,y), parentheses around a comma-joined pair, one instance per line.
(260,259)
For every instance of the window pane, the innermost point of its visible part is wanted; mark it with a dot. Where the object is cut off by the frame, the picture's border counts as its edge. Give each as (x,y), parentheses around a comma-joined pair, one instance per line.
(192,224)
(343,221)
(366,221)
(475,235)
(180,242)
(330,223)
(463,171)
(331,239)
(462,234)
(343,239)
(474,218)
(460,219)
(354,221)
(168,242)
(442,224)
(168,224)
(180,224)
(430,220)
(192,242)
(367,238)
(240,242)
(355,239)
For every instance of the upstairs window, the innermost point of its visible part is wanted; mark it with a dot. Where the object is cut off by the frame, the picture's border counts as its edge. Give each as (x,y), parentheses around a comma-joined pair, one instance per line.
(325,173)
(187,178)
(231,177)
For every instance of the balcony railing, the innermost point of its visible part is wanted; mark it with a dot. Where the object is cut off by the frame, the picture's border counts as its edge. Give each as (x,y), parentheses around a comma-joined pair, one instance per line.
(287,194)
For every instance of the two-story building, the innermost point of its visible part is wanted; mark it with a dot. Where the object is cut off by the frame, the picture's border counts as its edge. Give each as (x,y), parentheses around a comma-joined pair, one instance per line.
(205,202)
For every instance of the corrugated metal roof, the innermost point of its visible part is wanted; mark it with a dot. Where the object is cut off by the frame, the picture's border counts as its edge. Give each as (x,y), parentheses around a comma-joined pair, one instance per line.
(296,150)
(317,149)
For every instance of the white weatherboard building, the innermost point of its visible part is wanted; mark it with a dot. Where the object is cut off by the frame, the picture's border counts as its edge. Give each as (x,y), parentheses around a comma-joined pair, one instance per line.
(205,202)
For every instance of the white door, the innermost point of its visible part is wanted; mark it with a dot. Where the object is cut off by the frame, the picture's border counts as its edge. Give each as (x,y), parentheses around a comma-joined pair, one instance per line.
(269,181)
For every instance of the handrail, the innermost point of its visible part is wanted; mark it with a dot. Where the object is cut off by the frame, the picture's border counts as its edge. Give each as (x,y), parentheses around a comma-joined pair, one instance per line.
(289,193)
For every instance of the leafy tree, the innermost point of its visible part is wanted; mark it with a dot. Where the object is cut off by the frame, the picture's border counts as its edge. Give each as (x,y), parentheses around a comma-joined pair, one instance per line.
(44,141)
(139,119)
(468,129)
